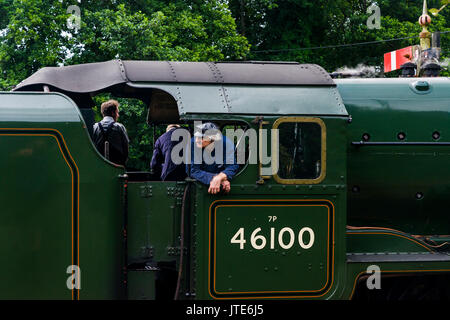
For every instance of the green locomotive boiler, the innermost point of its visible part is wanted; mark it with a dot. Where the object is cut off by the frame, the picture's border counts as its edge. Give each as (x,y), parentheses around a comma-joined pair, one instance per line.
(361,190)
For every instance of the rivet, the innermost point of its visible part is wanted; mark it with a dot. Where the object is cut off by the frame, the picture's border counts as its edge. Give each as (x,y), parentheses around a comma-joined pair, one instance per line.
(401,136)
(436,135)
(366,137)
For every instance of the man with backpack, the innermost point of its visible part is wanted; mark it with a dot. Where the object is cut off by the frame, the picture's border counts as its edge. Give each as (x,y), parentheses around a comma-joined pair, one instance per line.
(110,137)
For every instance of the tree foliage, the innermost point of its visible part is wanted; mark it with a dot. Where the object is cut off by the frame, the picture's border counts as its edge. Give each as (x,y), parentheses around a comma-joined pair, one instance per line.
(276,29)
(35,33)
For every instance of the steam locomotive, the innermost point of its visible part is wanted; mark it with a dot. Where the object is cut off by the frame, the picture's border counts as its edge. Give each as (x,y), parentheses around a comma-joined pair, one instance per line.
(357,210)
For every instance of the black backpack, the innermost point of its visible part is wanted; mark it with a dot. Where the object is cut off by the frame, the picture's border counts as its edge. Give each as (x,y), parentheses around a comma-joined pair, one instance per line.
(108,149)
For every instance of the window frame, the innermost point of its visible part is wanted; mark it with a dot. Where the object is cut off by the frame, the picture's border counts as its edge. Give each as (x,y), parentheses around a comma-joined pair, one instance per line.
(323,160)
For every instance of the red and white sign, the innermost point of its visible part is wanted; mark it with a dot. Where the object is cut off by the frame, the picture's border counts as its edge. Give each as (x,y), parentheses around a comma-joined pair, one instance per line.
(395,59)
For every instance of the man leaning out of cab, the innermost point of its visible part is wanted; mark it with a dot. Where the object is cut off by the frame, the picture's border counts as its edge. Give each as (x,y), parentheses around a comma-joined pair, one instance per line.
(212,158)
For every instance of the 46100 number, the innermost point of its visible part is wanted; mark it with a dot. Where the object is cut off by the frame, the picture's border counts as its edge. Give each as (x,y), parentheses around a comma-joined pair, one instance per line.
(259,242)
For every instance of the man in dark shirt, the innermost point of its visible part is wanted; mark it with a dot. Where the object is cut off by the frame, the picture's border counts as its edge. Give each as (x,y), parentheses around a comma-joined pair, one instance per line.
(162,163)
(219,172)
(109,136)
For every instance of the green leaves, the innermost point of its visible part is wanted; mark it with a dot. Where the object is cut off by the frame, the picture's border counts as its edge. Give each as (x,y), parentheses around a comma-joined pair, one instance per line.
(435,12)
(34,33)
(276,32)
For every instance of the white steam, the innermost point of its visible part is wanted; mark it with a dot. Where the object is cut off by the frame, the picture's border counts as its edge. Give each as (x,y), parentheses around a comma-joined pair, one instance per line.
(360,71)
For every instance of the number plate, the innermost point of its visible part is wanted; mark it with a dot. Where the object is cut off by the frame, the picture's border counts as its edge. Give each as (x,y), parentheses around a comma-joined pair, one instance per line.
(271,248)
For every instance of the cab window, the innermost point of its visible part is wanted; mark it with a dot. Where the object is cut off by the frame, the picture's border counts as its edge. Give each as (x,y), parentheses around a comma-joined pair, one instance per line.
(301,151)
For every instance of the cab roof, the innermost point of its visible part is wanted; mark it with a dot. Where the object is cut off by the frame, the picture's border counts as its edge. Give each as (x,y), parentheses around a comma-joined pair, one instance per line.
(91,77)
(199,87)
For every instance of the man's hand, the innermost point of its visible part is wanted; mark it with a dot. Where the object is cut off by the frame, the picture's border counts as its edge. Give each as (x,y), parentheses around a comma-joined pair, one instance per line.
(226,185)
(216,182)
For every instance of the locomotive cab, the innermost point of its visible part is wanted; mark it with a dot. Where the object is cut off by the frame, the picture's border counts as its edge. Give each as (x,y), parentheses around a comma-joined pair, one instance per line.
(285,210)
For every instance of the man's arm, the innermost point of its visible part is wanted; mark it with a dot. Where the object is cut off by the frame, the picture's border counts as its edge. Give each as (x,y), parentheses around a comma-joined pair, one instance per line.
(194,170)
(215,180)
(200,175)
